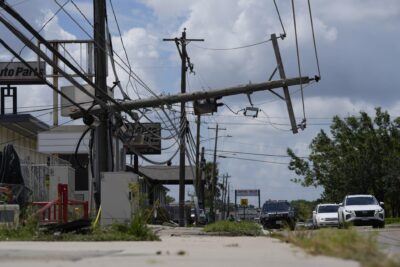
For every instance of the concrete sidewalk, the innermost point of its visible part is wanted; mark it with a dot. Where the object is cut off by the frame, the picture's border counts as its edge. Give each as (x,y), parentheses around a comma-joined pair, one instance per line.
(204,251)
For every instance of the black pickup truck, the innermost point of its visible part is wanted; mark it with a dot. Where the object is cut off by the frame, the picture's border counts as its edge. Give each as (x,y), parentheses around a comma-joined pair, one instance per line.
(277,214)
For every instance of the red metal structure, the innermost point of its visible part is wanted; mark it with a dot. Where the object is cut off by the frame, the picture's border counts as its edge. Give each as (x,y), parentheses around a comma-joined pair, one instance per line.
(56,211)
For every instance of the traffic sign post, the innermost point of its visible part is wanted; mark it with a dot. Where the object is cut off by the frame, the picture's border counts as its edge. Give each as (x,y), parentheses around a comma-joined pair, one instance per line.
(244,202)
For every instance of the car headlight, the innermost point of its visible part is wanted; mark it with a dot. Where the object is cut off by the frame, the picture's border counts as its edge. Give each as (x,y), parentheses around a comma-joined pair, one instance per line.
(350,211)
(378,211)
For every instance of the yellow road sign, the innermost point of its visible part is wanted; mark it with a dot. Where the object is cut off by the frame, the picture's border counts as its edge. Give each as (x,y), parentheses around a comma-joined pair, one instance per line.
(244,202)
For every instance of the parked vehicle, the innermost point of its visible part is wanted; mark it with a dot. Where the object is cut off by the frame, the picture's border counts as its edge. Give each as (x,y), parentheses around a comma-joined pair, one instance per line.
(202,217)
(325,215)
(308,224)
(277,213)
(361,210)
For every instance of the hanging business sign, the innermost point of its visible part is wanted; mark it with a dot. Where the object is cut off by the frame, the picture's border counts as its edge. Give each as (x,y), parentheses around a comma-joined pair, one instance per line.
(146,139)
(247,193)
(19,73)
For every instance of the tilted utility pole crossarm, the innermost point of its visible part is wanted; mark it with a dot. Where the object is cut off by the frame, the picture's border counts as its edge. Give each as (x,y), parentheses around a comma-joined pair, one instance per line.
(198,95)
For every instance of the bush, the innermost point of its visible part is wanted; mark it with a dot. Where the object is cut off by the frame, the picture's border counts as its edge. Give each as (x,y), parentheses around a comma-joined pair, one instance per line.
(234,228)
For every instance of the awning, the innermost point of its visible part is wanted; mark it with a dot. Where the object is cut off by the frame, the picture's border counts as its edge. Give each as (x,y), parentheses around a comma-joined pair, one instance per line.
(24,124)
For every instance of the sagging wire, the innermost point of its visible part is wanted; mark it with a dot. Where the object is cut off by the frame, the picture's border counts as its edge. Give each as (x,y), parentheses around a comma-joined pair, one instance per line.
(317,78)
(130,73)
(231,110)
(273,124)
(77,147)
(303,123)
(41,28)
(123,44)
(233,48)
(280,20)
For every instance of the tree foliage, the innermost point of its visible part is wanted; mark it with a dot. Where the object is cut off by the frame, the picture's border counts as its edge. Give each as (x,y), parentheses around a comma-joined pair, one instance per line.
(360,156)
(303,208)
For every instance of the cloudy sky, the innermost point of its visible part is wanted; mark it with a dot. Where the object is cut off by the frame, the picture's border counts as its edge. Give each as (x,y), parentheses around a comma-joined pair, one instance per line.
(358,48)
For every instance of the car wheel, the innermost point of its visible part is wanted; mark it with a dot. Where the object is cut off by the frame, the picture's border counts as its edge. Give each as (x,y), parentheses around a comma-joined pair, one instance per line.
(340,225)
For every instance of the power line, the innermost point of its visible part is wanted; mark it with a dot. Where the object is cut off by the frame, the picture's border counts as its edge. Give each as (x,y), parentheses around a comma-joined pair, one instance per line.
(130,73)
(264,123)
(260,117)
(280,19)
(253,160)
(122,42)
(41,28)
(233,48)
(298,58)
(253,154)
(313,35)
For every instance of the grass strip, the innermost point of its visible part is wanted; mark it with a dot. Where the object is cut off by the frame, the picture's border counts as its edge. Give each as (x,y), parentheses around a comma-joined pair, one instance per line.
(346,244)
(135,231)
(229,228)
(392,220)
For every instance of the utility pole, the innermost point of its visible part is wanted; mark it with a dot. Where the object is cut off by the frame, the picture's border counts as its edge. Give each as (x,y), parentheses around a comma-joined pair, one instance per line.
(225,194)
(201,187)
(214,174)
(198,176)
(229,196)
(158,101)
(55,84)
(224,179)
(285,87)
(101,143)
(185,63)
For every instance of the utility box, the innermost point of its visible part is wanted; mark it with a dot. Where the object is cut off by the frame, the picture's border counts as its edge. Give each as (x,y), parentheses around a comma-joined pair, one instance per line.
(9,214)
(61,175)
(116,197)
(78,96)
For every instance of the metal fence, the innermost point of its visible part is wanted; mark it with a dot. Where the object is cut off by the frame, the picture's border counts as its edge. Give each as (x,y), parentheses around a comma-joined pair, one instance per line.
(35,169)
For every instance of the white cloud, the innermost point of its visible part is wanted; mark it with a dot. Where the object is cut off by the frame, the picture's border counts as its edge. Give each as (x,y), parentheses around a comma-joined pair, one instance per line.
(53,29)
(356,11)
(141,48)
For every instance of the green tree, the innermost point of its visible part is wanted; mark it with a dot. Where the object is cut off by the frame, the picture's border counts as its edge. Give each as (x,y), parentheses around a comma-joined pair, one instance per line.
(169,199)
(303,208)
(361,155)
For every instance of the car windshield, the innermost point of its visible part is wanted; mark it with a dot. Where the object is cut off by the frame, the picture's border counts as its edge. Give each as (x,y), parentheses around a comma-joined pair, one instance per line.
(328,209)
(276,206)
(361,201)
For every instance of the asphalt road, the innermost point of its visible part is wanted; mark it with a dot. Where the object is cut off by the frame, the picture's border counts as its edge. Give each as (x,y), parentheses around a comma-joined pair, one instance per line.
(388,238)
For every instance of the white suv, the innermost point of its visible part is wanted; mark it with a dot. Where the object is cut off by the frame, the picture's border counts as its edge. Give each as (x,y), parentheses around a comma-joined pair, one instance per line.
(325,215)
(361,210)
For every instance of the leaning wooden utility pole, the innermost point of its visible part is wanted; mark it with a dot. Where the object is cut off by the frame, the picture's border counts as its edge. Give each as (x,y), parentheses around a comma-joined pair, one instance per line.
(214,175)
(185,61)
(285,87)
(101,144)
(158,101)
